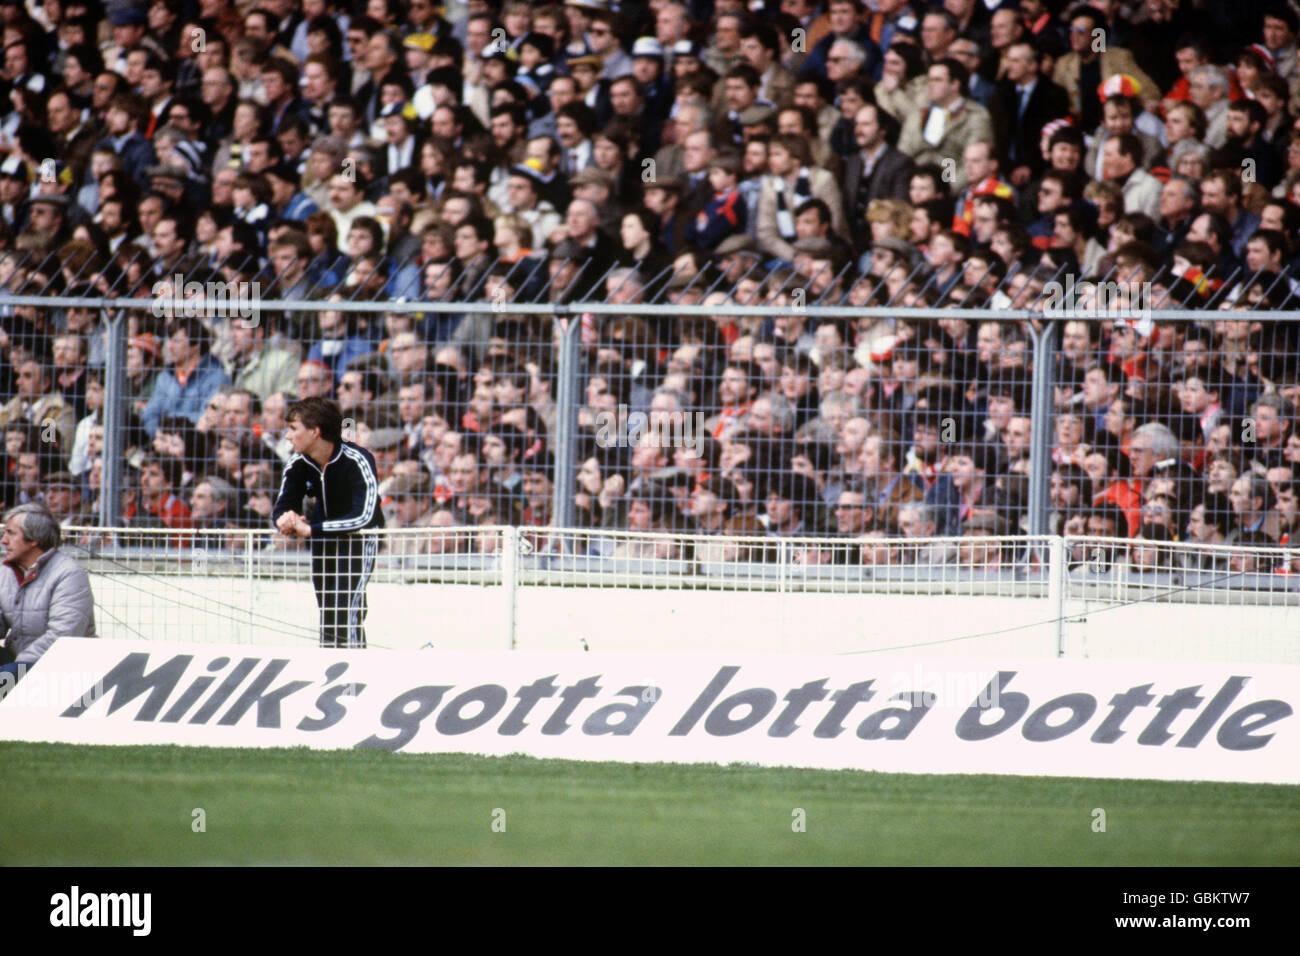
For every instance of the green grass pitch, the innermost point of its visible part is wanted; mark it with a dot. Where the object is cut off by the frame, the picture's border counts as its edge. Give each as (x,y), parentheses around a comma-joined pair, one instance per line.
(103,806)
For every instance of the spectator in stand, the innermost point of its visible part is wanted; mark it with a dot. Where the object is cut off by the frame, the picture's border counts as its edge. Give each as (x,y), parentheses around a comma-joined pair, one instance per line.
(883,88)
(37,402)
(159,480)
(192,375)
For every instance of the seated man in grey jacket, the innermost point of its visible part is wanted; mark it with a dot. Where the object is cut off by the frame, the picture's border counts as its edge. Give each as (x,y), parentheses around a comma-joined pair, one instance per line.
(44,593)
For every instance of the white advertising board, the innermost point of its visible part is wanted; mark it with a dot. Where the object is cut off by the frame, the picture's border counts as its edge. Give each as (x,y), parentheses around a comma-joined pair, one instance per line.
(1123,719)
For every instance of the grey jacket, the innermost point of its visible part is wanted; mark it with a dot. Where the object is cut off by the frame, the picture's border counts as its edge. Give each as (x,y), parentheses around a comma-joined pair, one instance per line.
(54,601)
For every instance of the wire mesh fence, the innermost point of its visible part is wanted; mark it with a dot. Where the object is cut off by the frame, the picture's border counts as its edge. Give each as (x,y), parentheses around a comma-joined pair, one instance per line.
(905,398)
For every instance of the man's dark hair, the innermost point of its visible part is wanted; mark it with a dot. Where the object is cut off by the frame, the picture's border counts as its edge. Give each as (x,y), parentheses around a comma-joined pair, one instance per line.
(1230,180)
(582,115)
(1254,112)
(957,72)
(1069,134)
(1129,145)
(1218,511)
(1071,182)
(743,71)
(193,329)
(411,179)
(1280,11)
(319,413)
(89,58)
(765,34)
(483,227)
(1075,477)
(171,468)
(632,81)
(514,440)
(1273,238)
(1112,513)
(287,72)
(934,174)
(819,206)
(130,103)
(517,112)
(1190,41)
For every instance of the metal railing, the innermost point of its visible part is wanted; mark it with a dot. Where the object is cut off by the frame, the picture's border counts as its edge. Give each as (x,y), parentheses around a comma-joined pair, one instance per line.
(1054,595)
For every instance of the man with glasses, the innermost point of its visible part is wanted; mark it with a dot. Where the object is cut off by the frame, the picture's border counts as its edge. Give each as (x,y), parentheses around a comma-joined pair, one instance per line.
(603,43)
(940,133)
(847,20)
(314,380)
(358,389)
(854,514)
(967,53)
(358,35)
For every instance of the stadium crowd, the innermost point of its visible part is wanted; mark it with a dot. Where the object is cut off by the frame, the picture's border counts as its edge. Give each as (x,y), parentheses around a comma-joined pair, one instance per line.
(965,153)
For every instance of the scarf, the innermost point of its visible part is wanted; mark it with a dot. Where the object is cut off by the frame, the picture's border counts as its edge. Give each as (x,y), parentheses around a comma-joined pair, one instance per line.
(786,204)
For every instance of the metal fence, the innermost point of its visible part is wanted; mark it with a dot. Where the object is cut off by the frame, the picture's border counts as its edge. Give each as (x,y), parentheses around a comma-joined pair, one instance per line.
(711,396)
(507,587)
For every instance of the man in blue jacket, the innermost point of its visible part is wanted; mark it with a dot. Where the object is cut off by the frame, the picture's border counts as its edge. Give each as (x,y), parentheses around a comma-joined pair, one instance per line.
(192,376)
(341,477)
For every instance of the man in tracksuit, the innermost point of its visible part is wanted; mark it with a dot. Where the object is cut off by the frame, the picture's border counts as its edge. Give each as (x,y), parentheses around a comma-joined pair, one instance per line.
(341,477)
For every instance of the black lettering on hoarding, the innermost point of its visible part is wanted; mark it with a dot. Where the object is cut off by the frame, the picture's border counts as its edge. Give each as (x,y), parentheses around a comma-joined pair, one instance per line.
(332,711)
(759,700)
(1121,705)
(528,696)
(570,698)
(268,702)
(128,680)
(406,722)
(1215,709)
(194,692)
(919,704)
(845,700)
(601,721)
(1157,732)
(228,687)
(797,701)
(491,696)
(993,697)
(702,703)
(328,703)
(1235,734)
(1038,729)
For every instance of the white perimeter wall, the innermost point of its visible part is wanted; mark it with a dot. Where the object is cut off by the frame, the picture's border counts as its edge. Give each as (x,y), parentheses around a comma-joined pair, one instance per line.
(468,617)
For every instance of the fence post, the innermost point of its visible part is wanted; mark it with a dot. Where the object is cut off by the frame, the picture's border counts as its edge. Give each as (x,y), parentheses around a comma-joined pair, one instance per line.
(510,580)
(568,397)
(1056,570)
(1042,404)
(251,582)
(115,418)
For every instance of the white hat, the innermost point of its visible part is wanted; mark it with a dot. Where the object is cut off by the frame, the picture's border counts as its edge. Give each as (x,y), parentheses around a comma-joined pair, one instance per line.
(648,46)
